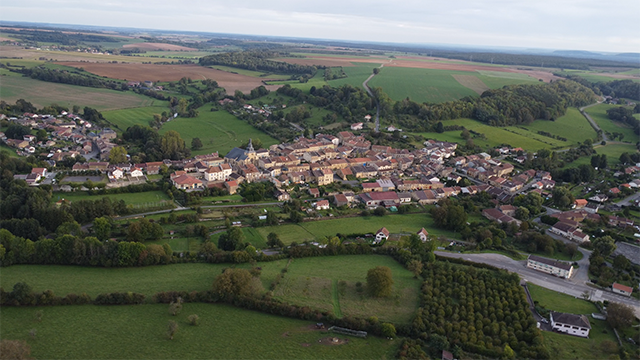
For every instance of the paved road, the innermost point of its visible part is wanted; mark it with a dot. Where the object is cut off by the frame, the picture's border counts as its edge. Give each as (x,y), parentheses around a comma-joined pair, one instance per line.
(591,121)
(366,87)
(573,287)
(629,200)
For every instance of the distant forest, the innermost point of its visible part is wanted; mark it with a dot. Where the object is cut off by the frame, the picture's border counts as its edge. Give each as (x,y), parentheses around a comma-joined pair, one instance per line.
(258,60)
(56,37)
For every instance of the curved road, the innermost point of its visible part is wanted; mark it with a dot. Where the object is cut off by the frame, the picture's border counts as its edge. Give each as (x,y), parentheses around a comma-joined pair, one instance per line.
(591,121)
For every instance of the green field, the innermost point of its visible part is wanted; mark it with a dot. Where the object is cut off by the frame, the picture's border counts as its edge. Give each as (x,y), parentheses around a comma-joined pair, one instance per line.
(314,230)
(251,235)
(139,332)
(124,118)
(312,281)
(356,74)
(572,126)
(42,93)
(497,136)
(244,71)
(556,301)
(613,151)
(599,115)
(218,131)
(148,198)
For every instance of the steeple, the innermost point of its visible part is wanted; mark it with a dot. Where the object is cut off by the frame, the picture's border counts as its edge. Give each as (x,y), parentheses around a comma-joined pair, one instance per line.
(250,147)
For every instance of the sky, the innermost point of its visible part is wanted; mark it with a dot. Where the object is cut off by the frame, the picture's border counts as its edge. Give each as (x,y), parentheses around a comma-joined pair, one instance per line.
(545,24)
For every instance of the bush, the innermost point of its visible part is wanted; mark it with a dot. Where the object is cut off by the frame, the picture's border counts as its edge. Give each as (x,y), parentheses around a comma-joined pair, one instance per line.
(193,319)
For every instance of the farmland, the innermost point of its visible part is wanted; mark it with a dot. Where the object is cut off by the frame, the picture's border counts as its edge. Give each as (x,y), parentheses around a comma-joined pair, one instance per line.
(141,72)
(99,332)
(313,230)
(157,46)
(599,115)
(572,126)
(41,93)
(218,131)
(124,118)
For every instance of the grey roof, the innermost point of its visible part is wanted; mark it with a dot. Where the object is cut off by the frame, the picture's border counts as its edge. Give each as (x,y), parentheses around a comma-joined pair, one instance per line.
(556,263)
(236,154)
(571,319)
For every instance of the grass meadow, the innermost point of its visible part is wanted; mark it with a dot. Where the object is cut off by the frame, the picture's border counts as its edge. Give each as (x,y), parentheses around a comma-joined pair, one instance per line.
(356,74)
(148,198)
(124,118)
(599,115)
(314,230)
(139,332)
(572,126)
(218,131)
(42,93)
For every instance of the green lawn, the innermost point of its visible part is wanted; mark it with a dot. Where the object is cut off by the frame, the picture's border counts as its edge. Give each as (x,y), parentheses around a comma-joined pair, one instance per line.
(356,74)
(613,151)
(572,126)
(125,118)
(556,301)
(576,348)
(311,282)
(317,80)
(218,131)
(251,235)
(139,332)
(42,93)
(599,115)
(93,280)
(314,230)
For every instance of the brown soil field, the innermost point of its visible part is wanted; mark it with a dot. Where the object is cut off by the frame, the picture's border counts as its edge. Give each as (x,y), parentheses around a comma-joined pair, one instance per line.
(472,83)
(142,72)
(32,54)
(158,46)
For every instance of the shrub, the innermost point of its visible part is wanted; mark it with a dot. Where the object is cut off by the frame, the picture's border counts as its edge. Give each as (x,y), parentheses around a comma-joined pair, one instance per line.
(193,319)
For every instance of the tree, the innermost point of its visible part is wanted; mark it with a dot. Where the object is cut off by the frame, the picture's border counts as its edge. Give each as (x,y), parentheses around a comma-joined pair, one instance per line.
(465,134)
(118,155)
(379,281)
(439,127)
(376,71)
(175,307)
(379,211)
(234,282)
(232,239)
(193,319)
(604,245)
(388,330)
(508,352)
(625,158)
(621,262)
(15,131)
(522,213)
(273,240)
(172,146)
(196,144)
(415,266)
(619,316)
(42,135)
(102,228)
(173,328)
(14,349)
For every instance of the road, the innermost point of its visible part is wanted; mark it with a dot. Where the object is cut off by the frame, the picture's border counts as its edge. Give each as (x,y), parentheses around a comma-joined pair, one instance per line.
(629,200)
(574,286)
(591,121)
(366,87)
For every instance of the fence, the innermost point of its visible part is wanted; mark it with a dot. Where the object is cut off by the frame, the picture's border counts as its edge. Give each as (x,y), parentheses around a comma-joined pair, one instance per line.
(344,331)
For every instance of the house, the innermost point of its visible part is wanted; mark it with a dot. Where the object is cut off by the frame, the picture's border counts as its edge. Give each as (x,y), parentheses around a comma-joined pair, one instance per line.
(232,187)
(563,229)
(423,235)
(549,266)
(446,355)
(186,182)
(381,235)
(621,289)
(580,203)
(116,174)
(599,198)
(282,195)
(373,199)
(314,192)
(571,324)
(322,205)
(357,126)
(340,200)
(136,172)
(42,172)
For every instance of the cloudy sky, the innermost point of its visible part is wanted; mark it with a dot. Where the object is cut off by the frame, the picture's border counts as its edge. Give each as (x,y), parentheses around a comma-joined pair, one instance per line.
(594,25)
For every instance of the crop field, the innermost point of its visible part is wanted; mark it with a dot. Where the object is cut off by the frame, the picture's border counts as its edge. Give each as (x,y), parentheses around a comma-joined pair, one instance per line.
(230,69)
(35,55)
(141,72)
(42,93)
(218,131)
(148,46)
(314,282)
(496,136)
(314,230)
(599,115)
(132,199)
(99,332)
(124,118)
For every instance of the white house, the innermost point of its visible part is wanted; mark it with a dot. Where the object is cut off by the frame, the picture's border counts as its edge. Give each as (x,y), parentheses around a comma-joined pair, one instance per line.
(322,205)
(423,235)
(136,172)
(116,174)
(382,234)
(357,126)
(571,324)
(549,266)
(621,289)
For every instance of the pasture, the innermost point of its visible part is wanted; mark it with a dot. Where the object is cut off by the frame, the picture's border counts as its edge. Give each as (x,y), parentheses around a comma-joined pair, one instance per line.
(139,332)
(218,131)
(139,199)
(315,282)
(42,93)
(124,118)
(572,126)
(251,235)
(356,74)
(314,230)
(599,115)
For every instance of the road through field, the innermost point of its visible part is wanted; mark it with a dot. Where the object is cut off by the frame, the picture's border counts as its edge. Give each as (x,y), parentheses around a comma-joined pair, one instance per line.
(592,122)
(366,87)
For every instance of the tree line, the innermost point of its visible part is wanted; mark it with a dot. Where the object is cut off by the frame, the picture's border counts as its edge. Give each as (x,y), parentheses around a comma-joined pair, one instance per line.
(258,60)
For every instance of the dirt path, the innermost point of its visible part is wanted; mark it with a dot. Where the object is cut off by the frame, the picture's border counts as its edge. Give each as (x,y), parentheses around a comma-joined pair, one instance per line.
(365,84)
(591,121)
